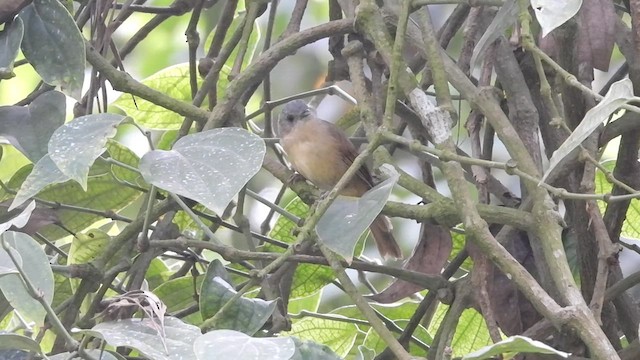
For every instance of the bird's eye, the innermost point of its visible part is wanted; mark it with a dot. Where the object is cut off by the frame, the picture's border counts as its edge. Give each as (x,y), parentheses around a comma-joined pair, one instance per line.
(290,118)
(306,113)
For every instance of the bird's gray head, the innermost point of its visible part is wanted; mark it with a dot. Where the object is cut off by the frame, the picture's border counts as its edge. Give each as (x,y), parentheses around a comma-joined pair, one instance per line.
(293,112)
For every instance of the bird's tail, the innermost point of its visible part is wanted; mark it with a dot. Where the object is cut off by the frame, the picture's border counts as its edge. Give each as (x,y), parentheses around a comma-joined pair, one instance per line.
(386,243)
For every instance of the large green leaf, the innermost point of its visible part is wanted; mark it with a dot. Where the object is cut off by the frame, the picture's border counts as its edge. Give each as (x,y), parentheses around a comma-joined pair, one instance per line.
(104,193)
(45,173)
(339,336)
(244,315)
(209,167)
(471,332)
(349,217)
(36,266)
(54,46)
(229,344)
(172,81)
(30,128)
(77,144)
(176,344)
(10,39)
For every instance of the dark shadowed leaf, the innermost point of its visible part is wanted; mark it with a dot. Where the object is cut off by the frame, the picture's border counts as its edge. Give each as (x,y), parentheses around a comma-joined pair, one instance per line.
(10,39)
(229,344)
(619,94)
(512,346)
(38,272)
(209,167)
(89,133)
(30,128)
(348,218)
(54,46)
(429,256)
(245,315)
(598,19)
(10,8)
(553,13)
(140,335)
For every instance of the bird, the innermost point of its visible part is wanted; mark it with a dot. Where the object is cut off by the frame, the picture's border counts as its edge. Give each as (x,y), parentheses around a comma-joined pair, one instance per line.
(321,152)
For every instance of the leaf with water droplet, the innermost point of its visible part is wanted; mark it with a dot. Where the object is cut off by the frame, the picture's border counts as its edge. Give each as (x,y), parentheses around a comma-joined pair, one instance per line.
(77,144)
(209,167)
(53,44)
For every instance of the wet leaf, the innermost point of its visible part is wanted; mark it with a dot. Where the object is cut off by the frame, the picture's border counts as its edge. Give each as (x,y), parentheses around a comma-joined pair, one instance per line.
(209,167)
(77,144)
(229,344)
(54,46)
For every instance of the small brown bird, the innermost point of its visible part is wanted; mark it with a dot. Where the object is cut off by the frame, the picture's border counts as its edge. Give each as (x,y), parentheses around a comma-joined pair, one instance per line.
(322,153)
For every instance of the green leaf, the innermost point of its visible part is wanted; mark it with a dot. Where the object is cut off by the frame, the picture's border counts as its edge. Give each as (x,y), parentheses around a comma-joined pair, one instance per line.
(309,303)
(631,224)
(30,128)
(157,273)
(471,332)
(209,167)
(512,346)
(86,248)
(103,193)
(620,93)
(339,336)
(172,81)
(308,279)
(54,46)
(11,160)
(309,350)
(349,217)
(10,39)
(141,335)
(14,341)
(229,344)
(244,315)
(77,144)
(180,294)
(37,270)
(44,173)
(123,154)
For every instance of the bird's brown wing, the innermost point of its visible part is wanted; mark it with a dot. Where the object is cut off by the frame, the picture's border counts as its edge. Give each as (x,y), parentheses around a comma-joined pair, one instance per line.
(349,154)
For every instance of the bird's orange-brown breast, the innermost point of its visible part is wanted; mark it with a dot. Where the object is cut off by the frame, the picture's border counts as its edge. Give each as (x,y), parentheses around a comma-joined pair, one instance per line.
(310,152)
